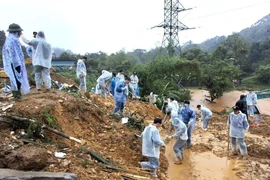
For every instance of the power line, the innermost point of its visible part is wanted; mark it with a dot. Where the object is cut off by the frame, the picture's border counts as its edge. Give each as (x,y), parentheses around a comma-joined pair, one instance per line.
(235,9)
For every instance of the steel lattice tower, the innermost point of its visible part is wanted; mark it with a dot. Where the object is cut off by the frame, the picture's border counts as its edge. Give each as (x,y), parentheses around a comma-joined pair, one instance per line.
(172,26)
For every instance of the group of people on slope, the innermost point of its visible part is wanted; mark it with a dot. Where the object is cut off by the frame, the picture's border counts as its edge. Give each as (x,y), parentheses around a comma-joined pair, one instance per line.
(183,122)
(13,60)
(119,84)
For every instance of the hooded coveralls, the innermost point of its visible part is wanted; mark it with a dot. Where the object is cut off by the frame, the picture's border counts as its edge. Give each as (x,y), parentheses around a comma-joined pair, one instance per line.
(133,84)
(181,137)
(112,85)
(41,59)
(81,74)
(251,99)
(102,80)
(188,116)
(13,61)
(206,115)
(238,125)
(120,96)
(151,143)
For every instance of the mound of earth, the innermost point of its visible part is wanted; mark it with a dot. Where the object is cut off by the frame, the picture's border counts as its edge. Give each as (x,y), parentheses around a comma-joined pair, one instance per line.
(262,127)
(61,79)
(89,120)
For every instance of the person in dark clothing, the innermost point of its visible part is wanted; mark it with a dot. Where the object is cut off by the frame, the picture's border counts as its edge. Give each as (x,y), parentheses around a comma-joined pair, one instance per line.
(242,104)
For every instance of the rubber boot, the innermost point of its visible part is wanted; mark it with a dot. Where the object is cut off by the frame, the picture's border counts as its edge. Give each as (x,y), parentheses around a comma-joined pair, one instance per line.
(178,160)
(15,94)
(154,173)
(18,96)
(234,153)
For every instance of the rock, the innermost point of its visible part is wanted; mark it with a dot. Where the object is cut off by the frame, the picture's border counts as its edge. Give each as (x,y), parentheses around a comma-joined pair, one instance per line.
(31,175)
(27,158)
(66,162)
(76,118)
(60,101)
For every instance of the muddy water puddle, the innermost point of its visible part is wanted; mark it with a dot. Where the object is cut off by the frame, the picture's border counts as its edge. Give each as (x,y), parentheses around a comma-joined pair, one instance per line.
(210,167)
(200,166)
(227,100)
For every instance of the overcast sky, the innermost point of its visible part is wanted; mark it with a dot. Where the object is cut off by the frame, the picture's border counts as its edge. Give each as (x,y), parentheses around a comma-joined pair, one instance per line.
(112,25)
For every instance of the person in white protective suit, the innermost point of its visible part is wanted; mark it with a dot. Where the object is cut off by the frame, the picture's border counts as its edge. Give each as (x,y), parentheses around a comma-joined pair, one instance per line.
(206,114)
(41,60)
(251,99)
(134,84)
(238,124)
(153,98)
(120,76)
(81,74)
(102,81)
(29,49)
(181,137)
(151,143)
(174,103)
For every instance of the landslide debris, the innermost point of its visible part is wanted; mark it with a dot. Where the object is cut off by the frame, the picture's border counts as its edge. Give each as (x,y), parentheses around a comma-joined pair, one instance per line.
(89,120)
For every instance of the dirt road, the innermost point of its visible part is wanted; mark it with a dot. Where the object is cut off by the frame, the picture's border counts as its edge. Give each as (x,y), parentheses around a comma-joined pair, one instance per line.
(207,159)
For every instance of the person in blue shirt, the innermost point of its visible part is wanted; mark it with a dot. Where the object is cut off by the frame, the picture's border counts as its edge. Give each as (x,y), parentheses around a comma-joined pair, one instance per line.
(188,116)
(238,125)
(120,95)
(151,143)
(113,82)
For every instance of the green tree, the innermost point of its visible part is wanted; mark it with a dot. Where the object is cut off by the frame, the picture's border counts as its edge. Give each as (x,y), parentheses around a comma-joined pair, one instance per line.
(238,51)
(263,74)
(119,61)
(218,76)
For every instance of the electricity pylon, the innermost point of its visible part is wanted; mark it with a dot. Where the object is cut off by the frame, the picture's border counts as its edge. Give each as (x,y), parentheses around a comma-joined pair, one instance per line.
(172,26)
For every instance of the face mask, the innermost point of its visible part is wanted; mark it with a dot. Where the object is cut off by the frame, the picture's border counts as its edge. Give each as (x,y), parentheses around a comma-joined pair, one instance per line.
(186,105)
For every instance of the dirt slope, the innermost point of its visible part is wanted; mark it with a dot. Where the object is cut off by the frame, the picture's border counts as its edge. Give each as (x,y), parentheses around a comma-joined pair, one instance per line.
(87,120)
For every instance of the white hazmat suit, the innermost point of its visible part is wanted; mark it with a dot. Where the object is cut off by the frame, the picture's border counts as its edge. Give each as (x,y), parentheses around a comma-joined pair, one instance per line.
(41,59)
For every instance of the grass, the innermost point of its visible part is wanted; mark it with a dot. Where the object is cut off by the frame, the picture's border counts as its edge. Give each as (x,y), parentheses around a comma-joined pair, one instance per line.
(85,163)
(90,79)
(253,83)
(50,119)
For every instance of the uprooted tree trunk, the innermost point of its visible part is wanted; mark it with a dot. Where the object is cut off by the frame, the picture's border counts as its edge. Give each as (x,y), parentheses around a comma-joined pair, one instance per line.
(33,127)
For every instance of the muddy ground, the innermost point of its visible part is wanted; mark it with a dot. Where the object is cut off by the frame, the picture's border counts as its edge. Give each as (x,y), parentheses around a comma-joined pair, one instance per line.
(87,120)
(208,157)
(90,120)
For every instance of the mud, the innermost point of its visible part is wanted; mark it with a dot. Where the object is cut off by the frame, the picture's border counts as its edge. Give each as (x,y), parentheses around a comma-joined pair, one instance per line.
(87,120)
(90,120)
(208,158)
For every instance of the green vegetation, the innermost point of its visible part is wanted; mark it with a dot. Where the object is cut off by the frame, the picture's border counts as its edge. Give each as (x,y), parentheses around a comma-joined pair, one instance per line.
(49,118)
(85,163)
(214,65)
(233,59)
(253,83)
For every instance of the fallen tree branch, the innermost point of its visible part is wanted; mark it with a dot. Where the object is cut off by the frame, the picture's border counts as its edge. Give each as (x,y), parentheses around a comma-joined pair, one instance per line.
(43,126)
(99,158)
